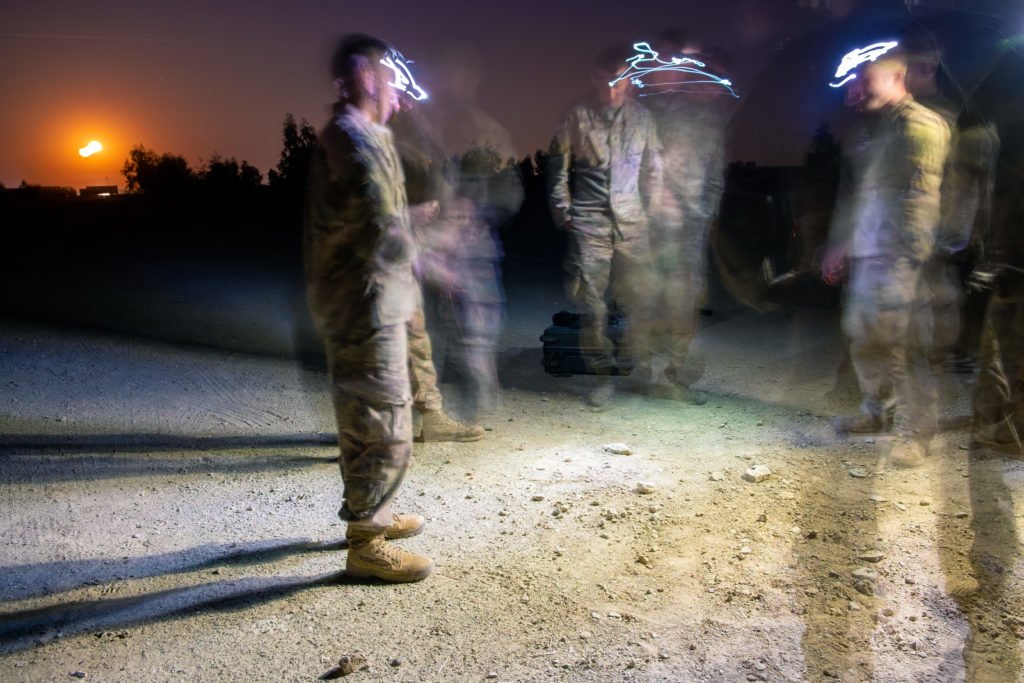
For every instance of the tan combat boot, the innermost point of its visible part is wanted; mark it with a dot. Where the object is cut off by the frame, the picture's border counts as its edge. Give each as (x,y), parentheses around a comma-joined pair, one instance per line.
(404,526)
(371,556)
(439,426)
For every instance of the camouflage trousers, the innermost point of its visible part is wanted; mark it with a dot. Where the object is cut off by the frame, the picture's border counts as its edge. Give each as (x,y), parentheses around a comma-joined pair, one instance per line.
(887,319)
(619,267)
(680,289)
(426,396)
(369,374)
(999,392)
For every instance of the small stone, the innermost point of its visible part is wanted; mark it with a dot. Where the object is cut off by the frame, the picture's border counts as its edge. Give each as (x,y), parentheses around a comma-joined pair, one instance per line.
(614,615)
(585,635)
(924,503)
(644,560)
(596,616)
(909,581)
(77,674)
(864,587)
(537,498)
(757,473)
(900,506)
(858,473)
(872,556)
(745,550)
(644,488)
(618,449)
(716,476)
(762,518)
(961,515)
(396,662)
(865,573)
(491,675)
(875,498)
(889,612)
(760,666)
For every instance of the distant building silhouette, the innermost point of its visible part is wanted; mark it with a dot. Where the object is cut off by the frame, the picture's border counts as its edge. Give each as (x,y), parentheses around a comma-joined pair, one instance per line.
(98,191)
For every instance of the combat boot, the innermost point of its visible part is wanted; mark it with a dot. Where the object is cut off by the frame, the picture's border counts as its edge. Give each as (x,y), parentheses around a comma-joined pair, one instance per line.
(600,397)
(908,453)
(404,526)
(439,426)
(861,423)
(371,556)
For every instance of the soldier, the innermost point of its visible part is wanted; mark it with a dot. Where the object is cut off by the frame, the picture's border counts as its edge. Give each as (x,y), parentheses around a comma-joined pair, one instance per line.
(691,122)
(884,227)
(362,294)
(605,171)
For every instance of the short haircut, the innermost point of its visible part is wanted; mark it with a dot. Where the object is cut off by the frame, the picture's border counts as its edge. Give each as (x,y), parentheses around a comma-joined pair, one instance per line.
(345,58)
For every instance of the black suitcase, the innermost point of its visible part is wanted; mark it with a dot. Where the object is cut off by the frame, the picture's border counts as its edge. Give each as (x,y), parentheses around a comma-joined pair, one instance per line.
(562,354)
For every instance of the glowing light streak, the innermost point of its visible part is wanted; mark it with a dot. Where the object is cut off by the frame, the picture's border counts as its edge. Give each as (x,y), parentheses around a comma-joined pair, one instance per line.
(92,148)
(404,80)
(647,61)
(853,59)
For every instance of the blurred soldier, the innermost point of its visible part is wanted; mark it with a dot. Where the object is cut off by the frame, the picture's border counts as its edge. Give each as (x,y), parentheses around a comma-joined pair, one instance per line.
(998,401)
(422,161)
(885,226)
(605,172)
(691,120)
(461,254)
(362,294)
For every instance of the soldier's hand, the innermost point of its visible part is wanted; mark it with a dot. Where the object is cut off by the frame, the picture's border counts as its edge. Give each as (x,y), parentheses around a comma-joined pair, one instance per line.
(833,265)
(427,212)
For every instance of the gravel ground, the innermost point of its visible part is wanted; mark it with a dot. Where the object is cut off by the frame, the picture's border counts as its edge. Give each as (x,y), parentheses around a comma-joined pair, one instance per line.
(168,514)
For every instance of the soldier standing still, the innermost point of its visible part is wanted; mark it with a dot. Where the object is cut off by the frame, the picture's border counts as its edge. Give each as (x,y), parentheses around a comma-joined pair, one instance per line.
(605,170)
(884,233)
(362,293)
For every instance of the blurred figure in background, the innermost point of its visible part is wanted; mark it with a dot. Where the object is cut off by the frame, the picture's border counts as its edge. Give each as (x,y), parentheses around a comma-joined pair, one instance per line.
(422,156)
(604,175)
(463,156)
(362,293)
(691,116)
(883,233)
(998,400)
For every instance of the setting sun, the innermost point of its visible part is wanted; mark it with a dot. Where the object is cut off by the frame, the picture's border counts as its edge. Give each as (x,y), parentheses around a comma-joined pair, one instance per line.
(92,148)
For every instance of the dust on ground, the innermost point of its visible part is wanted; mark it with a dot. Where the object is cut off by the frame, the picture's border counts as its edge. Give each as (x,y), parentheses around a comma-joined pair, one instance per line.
(169,515)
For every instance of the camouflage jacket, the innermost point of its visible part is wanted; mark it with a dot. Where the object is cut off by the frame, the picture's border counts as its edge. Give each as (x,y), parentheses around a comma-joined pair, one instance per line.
(889,202)
(359,248)
(604,161)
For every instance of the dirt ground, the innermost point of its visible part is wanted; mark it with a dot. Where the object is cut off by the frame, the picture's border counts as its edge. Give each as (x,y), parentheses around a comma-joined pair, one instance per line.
(169,514)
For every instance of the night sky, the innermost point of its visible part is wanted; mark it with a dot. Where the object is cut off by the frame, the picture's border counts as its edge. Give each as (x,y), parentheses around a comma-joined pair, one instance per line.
(198,78)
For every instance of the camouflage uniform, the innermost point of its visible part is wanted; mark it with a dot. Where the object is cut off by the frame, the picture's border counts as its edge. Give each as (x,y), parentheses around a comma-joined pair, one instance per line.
(692,135)
(887,216)
(999,392)
(605,170)
(362,294)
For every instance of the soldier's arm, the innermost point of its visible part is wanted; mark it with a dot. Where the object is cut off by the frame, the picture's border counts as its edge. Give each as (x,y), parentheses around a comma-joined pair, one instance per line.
(651,169)
(927,147)
(559,167)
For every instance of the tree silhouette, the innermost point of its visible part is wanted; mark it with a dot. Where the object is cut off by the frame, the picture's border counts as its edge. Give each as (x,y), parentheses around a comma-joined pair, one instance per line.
(289,178)
(226,178)
(823,154)
(165,175)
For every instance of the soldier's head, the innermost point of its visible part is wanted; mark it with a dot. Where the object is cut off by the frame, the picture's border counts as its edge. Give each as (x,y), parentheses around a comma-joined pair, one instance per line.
(879,83)
(873,76)
(924,60)
(609,64)
(362,79)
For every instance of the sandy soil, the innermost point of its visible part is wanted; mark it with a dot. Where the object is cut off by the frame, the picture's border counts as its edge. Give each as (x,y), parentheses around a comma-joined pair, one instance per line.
(168,514)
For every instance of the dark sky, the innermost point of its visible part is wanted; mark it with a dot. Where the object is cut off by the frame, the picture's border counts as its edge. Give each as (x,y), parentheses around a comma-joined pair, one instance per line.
(198,78)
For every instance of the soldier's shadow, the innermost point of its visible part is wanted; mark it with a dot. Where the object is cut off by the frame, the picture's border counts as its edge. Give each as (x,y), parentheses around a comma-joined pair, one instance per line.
(21,629)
